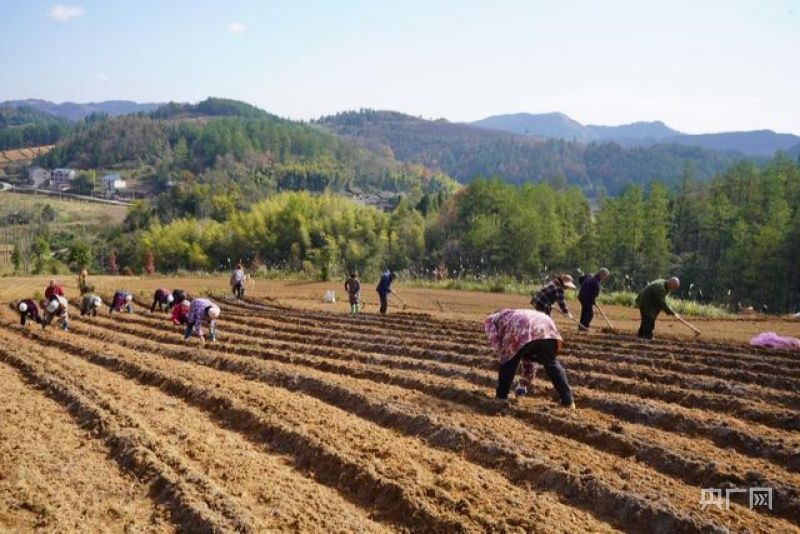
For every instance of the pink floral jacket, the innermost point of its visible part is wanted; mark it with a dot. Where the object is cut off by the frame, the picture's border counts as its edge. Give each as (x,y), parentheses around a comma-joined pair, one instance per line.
(510,330)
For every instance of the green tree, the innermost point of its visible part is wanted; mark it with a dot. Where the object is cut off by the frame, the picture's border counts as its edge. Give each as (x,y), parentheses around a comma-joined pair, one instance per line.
(80,254)
(85,182)
(655,244)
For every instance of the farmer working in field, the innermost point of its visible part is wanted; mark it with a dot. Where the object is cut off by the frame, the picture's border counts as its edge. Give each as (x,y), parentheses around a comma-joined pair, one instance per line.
(384,288)
(237,281)
(122,299)
(161,298)
(587,295)
(651,301)
(200,311)
(551,293)
(532,337)
(178,296)
(90,303)
(353,288)
(26,309)
(56,307)
(53,290)
(180,312)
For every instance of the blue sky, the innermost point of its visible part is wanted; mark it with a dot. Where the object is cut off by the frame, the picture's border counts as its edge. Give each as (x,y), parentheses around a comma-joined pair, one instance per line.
(701,65)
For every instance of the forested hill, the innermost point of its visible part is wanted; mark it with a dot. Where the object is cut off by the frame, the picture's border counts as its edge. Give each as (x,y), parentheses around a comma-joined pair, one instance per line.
(464,152)
(25,127)
(233,149)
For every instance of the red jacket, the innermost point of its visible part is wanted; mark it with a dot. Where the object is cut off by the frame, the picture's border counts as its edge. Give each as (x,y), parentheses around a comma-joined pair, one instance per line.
(179,313)
(52,291)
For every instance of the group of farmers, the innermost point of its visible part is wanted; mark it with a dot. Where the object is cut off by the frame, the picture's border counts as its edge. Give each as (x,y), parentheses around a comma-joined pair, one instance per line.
(530,336)
(192,314)
(519,336)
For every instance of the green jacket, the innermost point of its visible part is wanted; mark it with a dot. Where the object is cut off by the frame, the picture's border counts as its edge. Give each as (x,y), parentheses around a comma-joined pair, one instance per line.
(652,300)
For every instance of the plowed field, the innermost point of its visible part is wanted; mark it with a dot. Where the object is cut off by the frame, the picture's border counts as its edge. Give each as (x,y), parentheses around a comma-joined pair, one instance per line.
(307,420)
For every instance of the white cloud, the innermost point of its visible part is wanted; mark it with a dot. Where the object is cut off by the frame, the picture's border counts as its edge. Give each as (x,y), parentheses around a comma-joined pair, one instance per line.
(63,13)
(101,76)
(237,27)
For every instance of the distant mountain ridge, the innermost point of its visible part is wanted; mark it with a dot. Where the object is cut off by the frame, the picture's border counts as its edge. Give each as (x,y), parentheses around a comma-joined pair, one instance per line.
(464,151)
(75,111)
(559,126)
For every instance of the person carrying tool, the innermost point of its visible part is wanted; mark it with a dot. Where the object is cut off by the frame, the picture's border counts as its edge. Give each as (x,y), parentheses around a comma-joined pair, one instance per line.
(587,295)
(90,303)
(201,310)
(26,309)
(551,293)
(384,288)
(56,307)
(161,298)
(237,281)
(53,290)
(529,336)
(353,288)
(122,299)
(651,301)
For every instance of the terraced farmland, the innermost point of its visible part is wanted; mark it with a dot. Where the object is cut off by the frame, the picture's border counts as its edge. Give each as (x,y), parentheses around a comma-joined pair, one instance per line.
(306,420)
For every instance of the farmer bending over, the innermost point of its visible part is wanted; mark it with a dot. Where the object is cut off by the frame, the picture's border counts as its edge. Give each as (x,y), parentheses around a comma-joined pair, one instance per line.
(122,299)
(201,310)
(651,301)
(551,293)
(27,309)
(532,337)
(180,312)
(90,303)
(162,299)
(53,290)
(56,307)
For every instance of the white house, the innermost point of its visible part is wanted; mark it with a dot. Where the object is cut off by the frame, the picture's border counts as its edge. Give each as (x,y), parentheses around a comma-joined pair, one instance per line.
(60,179)
(113,184)
(38,176)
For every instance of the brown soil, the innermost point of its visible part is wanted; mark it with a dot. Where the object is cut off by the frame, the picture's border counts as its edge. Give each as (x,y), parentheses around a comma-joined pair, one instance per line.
(301,417)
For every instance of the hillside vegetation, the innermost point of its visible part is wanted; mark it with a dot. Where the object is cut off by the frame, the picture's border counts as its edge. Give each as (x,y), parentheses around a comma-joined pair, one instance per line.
(464,152)
(26,127)
(235,153)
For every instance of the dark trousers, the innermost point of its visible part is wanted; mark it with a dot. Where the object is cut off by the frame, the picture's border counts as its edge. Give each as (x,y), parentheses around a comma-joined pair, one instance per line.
(156,302)
(238,290)
(542,351)
(384,301)
(647,326)
(587,314)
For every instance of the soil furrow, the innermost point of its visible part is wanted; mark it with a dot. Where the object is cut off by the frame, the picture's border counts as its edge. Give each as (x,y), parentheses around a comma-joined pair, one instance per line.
(697,470)
(410,491)
(193,504)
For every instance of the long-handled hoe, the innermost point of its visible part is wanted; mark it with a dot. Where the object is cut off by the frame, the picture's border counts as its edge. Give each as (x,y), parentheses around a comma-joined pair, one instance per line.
(400,299)
(689,325)
(574,320)
(611,326)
